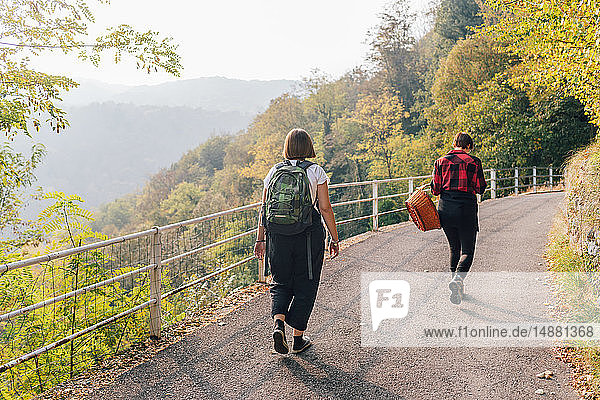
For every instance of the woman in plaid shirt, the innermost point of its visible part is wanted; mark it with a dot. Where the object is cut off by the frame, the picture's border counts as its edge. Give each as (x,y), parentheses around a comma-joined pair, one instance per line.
(457,178)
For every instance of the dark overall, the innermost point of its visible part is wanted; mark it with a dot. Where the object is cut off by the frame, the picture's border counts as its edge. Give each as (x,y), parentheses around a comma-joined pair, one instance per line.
(294,287)
(458,218)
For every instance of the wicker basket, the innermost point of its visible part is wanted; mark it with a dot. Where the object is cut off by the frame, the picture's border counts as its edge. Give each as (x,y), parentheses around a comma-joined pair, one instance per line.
(422,211)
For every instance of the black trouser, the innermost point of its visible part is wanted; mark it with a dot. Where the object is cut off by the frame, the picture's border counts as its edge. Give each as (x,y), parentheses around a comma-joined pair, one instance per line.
(458,217)
(292,292)
(462,249)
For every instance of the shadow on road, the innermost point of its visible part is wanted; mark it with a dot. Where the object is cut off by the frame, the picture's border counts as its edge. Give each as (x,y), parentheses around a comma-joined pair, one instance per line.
(331,382)
(485,305)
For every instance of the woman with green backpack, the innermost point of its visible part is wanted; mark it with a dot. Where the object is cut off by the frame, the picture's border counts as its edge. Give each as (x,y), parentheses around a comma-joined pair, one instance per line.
(291,237)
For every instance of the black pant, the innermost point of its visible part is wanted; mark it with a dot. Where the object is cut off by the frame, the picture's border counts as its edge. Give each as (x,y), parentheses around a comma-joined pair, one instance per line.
(462,249)
(458,217)
(293,294)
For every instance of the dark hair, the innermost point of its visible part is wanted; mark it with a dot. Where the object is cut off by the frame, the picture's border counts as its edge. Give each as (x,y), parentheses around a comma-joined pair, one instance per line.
(463,140)
(298,144)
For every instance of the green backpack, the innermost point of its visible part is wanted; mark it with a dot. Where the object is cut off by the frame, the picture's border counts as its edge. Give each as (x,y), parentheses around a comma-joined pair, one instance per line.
(288,206)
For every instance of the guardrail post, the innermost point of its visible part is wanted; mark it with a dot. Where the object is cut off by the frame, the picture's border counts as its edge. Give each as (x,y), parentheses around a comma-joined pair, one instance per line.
(551,180)
(534,180)
(516,180)
(155,289)
(411,186)
(375,207)
(493,179)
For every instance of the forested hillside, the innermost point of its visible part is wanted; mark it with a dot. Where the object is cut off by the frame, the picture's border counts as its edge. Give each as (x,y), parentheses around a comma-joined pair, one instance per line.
(390,117)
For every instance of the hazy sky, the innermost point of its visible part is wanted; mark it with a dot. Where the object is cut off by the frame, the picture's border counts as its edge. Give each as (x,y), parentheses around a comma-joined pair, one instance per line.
(247,39)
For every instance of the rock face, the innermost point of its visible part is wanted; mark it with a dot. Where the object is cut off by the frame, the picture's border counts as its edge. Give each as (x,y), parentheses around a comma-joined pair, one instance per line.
(582,179)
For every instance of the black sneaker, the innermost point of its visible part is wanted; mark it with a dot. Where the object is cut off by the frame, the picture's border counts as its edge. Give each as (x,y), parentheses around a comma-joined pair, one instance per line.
(456,290)
(279,343)
(301,345)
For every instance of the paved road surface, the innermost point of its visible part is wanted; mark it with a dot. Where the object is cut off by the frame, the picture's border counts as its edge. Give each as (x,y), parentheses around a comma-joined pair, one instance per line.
(233,361)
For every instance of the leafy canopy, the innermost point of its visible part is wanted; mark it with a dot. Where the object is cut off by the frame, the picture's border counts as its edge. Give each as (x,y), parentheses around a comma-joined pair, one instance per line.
(557,40)
(28,28)
(381,120)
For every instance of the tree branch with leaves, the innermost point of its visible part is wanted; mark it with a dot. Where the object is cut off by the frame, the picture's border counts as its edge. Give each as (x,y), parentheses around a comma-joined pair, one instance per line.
(29,98)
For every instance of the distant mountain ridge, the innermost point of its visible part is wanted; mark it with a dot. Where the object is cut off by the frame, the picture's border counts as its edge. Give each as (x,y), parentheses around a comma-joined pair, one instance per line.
(210,94)
(121,135)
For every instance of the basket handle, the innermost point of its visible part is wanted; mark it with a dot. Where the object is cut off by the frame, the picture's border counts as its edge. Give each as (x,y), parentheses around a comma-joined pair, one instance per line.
(422,186)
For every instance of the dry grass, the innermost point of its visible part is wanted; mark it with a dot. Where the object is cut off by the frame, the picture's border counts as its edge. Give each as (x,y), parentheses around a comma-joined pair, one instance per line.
(584,361)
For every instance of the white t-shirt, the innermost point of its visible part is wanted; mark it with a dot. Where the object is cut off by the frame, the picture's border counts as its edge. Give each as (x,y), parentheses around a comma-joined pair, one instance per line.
(316,176)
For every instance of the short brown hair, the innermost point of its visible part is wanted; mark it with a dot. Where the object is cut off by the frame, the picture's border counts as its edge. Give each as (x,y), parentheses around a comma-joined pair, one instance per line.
(463,140)
(298,144)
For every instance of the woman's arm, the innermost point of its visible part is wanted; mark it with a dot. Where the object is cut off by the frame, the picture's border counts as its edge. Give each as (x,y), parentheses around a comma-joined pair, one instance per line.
(436,181)
(327,213)
(260,245)
(480,183)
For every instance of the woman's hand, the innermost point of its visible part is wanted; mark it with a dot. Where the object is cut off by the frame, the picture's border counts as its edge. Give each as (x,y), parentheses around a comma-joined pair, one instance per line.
(334,249)
(259,250)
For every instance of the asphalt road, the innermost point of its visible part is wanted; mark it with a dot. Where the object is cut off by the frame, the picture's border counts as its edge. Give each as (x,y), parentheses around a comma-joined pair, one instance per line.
(234,361)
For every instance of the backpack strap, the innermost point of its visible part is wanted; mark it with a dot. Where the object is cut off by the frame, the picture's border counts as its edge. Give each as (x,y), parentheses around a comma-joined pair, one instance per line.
(283,163)
(309,255)
(305,164)
(302,164)
(266,256)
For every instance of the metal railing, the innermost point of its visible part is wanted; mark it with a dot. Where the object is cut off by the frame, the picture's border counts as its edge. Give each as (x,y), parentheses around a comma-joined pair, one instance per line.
(519,179)
(78,296)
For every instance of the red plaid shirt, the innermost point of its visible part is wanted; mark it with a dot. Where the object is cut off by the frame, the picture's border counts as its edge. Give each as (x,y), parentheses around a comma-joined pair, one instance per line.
(458,171)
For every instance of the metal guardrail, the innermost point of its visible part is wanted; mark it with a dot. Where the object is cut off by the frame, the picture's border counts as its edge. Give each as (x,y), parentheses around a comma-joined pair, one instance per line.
(494,189)
(376,192)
